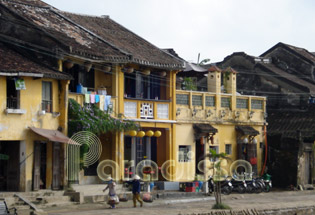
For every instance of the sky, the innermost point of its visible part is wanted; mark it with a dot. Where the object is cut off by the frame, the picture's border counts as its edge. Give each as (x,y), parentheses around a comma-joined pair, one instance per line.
(212,28)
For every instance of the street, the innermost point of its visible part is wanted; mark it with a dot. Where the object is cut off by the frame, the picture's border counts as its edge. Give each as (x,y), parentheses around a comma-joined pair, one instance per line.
(262,201)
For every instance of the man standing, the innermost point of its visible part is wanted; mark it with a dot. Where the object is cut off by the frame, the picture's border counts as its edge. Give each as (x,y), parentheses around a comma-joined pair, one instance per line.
(136,191)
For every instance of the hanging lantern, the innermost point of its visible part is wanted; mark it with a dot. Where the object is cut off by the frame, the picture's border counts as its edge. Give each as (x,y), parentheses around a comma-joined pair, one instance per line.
(87,66)
(163,74)
(140,134)
(149,133)
(68,64)
(129,70)
(133,133)
(146,72)
(157,133)
(107,69)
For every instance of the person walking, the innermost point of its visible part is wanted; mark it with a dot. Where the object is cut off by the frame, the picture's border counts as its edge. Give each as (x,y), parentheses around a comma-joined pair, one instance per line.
(136,191)
(112,197)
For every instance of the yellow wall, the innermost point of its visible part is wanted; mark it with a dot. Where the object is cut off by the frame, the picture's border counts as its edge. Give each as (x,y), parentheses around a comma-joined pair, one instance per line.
(14,127)
(185,136)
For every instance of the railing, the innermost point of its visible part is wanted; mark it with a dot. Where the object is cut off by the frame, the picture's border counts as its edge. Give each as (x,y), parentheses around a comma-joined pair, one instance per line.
(47,106)
(205,106)
(208,99)
(142,109)
(80,98)
(13,103)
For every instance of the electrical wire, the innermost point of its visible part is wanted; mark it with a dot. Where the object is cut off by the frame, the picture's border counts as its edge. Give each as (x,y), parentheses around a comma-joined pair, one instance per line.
(157,77)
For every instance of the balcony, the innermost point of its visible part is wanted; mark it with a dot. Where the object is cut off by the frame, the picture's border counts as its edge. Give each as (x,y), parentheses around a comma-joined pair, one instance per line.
(207,106)
(147,109)
(80,98)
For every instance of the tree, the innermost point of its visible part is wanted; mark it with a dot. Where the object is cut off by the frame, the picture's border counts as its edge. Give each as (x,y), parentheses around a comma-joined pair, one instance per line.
(216,175)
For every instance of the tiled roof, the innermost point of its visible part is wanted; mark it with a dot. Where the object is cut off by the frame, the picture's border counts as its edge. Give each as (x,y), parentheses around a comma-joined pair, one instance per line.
(141,50)
(300,51)
(80,41)
(282,74)
(288,123)
(13,63)
(95,38)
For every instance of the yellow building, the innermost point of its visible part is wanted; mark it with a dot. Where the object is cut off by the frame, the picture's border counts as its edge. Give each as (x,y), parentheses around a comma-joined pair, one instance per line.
(220,119)
(124,74)
(33,123)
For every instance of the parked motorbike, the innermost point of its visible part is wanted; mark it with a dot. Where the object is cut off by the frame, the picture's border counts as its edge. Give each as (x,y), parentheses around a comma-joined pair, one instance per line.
(226,186)
(267,181)
(239,186)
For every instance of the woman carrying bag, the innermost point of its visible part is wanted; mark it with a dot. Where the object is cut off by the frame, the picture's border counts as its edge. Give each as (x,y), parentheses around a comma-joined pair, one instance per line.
(112,197)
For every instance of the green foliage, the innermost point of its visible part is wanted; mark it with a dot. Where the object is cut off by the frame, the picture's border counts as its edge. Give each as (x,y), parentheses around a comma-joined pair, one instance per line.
(95,120)
(189,84)
(220,206)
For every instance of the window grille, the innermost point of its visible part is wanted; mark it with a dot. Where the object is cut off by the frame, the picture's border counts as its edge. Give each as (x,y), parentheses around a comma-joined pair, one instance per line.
(225,102)
(182,99)
(197,100)
(242,103)
(257,104)
(210,101)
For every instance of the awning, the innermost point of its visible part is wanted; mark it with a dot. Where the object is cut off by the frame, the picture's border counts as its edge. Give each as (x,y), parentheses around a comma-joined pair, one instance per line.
(53,135)
(204,130)
(247,130)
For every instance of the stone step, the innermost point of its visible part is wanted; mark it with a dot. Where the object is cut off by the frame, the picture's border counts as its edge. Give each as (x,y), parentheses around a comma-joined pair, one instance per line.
(94,189)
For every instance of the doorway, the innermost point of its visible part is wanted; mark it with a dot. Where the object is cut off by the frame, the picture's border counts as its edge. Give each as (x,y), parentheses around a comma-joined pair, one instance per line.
(40,164)
(9,165)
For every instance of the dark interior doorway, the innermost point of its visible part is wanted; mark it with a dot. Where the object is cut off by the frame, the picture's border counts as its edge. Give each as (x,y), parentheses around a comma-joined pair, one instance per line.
(10,168)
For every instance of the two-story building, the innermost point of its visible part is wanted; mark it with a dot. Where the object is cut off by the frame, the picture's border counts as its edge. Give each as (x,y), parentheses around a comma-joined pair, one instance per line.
(33,122)
(220,119)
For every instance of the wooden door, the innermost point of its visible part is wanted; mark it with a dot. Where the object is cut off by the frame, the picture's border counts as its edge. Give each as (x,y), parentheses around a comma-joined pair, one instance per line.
(36,173)
(56,166)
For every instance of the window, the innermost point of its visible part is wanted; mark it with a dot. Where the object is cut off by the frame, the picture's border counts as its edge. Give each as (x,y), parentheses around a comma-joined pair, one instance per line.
(140,86)
(184,154)
(228,149)
(13,95)
(46,96)
(216,149)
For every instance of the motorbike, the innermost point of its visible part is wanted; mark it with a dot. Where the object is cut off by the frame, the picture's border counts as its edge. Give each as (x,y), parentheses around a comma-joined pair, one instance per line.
(254,185)
(239,186)
(226,186)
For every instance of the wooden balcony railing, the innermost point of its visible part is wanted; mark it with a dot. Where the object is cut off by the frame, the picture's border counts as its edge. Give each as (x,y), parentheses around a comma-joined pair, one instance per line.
(147,109)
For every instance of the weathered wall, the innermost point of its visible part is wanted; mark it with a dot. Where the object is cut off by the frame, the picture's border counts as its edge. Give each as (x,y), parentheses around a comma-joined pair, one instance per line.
(14,127)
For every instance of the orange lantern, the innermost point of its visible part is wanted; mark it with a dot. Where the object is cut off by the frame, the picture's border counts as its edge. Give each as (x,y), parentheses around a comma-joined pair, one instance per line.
(140,134)
(133,133)
(149,133)
(157,133)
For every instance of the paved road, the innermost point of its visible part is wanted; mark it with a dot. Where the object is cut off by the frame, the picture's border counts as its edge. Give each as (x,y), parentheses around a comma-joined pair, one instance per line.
(272,200)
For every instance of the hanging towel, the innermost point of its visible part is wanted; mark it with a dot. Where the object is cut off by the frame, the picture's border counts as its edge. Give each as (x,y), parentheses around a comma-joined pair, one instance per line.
(97,98)
(92,98)
(102,102)
(107,102)
(87,98)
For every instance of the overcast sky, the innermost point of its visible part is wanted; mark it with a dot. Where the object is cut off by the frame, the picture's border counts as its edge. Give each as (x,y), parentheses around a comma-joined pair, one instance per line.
(213,28)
